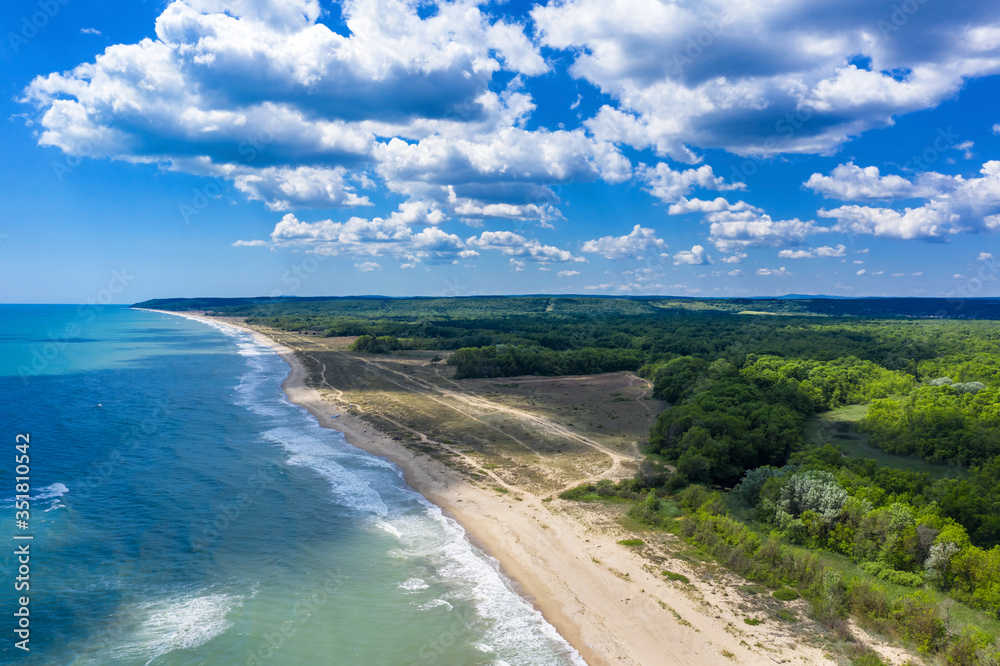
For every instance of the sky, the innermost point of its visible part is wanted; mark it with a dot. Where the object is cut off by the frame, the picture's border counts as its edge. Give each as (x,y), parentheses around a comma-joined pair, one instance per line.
(705,148)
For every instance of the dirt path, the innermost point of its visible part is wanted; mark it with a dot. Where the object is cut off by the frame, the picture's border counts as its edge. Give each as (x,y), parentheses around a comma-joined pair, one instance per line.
(455,399)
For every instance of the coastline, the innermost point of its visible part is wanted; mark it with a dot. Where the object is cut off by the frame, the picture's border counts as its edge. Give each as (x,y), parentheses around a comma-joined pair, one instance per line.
(611,608)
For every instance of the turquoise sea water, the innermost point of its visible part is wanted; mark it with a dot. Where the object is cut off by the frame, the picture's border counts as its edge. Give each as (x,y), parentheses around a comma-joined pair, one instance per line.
(184,512)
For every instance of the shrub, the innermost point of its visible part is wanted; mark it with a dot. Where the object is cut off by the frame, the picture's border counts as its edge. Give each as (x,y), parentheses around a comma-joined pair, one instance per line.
(748,490)
(887,573)
(631,542)
(785,594)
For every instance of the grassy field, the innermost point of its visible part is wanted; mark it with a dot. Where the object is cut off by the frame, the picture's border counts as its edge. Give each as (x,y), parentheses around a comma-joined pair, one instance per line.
(839,428)
(538,434)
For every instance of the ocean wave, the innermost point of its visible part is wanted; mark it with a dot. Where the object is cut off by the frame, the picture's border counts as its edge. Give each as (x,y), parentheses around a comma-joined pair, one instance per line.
(347,487)
(177,623)
(413,585)
(508,623)
(51,492)
(436,603)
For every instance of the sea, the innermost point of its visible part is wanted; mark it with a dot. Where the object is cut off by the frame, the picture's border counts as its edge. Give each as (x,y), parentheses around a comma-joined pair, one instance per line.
(180,510)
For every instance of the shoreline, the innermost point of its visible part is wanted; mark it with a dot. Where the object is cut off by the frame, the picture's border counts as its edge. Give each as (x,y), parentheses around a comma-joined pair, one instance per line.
(612,609)
(416,474)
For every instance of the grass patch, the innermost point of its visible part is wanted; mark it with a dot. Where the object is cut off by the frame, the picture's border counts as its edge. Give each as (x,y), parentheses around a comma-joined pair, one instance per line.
(631,542)
(670,575)
(752,621)
(501,490)
(752,589)
(839,427)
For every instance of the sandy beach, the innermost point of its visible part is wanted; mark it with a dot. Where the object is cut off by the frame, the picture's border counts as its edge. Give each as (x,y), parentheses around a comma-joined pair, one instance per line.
(608,602)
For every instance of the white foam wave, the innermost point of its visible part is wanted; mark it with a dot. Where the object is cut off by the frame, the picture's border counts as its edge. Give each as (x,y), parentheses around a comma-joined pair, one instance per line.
(51,492)
(413,585)
(177,623)
(436,603)
(382,525)
(510,625)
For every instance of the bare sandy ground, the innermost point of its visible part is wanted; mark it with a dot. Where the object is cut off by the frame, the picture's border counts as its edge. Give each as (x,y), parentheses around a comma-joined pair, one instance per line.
(609,602)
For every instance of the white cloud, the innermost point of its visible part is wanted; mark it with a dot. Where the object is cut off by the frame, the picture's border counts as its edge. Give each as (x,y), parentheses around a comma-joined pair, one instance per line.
(89,31)
(823,251)
(744,226)
(734,258)
(672,186)
(260,93)
(861,272)
(288,188)
(636,243)
(696,256)
(368,266)
(377,237)
(763,78)
(684,206)
(796,254)
(735,272)
(517,265)
(955,204)
(515,245)
(250,243)
(567,273)
(984,256)
(780,272)
(848,182)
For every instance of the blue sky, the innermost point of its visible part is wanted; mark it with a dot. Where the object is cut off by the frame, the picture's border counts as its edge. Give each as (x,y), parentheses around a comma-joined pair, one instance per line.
(683,147)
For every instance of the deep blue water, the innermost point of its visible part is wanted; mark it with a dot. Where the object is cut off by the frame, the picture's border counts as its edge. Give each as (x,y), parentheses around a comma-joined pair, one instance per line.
(184,512)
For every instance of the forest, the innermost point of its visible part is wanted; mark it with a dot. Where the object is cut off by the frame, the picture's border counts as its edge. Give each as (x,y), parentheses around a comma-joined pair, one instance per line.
(731,466)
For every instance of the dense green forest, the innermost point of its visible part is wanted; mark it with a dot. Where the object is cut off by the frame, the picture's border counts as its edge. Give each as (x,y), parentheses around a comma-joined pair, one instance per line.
(730,467)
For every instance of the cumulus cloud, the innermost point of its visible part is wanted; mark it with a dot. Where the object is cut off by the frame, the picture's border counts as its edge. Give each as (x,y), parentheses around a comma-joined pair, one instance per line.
(250,243)
(696,256)
(289,188)
(824,251)
(848,182)
(984,256)
(764,78)
(260,93)
(742,226)
(736,258)
(567,273)
(633,245)
(780,272)
(955,204)
(672,186)
(368,266)
(515,245)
